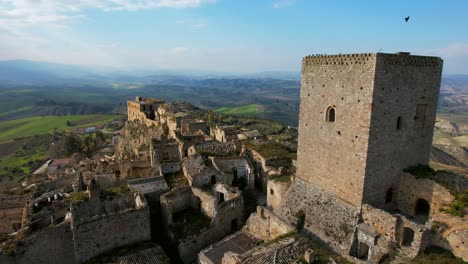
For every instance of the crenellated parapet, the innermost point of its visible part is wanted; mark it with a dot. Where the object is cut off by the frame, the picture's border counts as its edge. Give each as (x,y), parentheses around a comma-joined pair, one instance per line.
(401,58)
(340,59)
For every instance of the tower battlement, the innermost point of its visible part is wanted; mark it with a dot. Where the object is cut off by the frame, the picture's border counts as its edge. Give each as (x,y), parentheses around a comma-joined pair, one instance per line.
(403,59)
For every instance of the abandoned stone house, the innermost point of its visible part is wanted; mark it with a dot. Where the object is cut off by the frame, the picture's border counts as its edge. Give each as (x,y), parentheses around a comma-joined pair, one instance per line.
(224,133)
(195,218)
(11,213)
(236,171)
(88,229)
(142,108)
(266,168)
(199,173)
(166,156)
(59,167)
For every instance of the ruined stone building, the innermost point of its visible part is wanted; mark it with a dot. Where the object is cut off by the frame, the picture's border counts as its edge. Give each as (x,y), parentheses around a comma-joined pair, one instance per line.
(194,218)
(11,213)
(143,108)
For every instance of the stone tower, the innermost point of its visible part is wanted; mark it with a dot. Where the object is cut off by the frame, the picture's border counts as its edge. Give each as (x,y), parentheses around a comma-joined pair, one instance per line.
(363,119)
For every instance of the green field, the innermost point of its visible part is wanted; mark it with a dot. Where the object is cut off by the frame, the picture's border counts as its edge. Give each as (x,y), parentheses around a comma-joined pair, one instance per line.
(247,110)
(44,124)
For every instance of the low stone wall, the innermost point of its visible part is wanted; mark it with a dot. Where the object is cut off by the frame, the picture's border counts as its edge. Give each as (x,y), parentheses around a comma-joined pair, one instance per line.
(96,235)
(266,225)
(189,248)
(59,183)
(53,245)
(383,222)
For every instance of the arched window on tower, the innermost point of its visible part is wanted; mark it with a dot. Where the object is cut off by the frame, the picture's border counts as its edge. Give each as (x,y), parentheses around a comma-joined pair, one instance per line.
(399,123)
(330,115)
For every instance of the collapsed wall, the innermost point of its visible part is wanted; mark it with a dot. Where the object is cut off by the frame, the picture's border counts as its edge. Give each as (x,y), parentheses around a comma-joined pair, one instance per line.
(136,136)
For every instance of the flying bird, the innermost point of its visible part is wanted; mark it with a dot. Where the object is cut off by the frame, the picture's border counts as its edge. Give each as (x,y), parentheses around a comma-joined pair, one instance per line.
(406,19)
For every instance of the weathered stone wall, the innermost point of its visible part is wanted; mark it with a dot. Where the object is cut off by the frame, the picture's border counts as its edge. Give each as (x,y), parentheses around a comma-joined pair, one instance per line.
(266,225)
(332,155)
(381,221)
(61,182)
(11,213)
(238,165)
(218,133)
(134,110)
(208,202)
(264,168)
(189,248)
(420,238)
(96,235)
(172,167)
(405,87)
(213,148)
(384,111)
(324,216)
(411,189)
(197,173)
(52,245)
(224,216)
(276,194)
(135,135)
(229,213)
(175,201)
(165,152)
(192,126)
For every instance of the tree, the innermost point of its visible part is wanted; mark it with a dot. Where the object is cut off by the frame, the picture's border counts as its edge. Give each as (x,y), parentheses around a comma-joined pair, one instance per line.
(71,144)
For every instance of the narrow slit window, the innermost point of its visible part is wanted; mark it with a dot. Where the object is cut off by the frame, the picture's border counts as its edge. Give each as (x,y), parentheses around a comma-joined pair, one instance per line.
(330,115)
(399,124)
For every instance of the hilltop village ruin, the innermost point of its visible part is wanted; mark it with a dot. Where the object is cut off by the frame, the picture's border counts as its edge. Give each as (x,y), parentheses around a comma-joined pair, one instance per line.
(182,189)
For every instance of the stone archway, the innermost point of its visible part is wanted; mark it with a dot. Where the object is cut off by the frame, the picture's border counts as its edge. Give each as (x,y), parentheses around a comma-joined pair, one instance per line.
(422,209)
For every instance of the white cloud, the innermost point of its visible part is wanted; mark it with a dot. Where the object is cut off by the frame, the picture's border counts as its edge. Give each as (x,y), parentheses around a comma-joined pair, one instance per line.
(451,51)
(283,3)
(179,50)
(28,12)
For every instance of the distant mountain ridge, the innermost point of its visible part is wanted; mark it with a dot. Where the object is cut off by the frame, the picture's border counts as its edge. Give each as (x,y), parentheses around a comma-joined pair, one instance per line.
(25,72)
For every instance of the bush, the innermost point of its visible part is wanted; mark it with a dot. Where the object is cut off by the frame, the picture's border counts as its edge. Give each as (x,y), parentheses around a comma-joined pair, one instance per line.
(457,208)
(76,197)
(436,255)
(420,171)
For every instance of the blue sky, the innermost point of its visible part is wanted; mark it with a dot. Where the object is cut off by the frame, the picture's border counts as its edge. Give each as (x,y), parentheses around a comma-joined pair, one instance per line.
(228,35)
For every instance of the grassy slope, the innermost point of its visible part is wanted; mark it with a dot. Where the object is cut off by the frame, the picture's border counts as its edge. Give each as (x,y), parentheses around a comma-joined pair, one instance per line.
(248,110)
(39,125)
